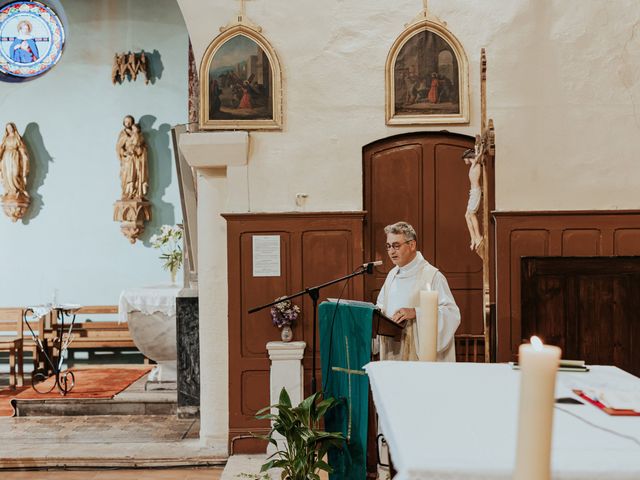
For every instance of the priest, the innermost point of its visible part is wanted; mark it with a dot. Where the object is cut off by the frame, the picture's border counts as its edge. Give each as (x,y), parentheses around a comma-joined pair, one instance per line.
(399,298)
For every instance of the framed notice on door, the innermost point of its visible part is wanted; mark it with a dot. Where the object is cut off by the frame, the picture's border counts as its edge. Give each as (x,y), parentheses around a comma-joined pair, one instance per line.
(266,255)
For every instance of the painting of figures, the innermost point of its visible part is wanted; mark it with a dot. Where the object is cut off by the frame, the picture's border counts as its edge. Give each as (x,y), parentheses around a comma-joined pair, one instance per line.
(240,82)
(426,77)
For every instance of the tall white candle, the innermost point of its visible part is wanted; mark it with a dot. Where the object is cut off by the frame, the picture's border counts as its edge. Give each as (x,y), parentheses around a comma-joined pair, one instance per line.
(428,325)
(538,366)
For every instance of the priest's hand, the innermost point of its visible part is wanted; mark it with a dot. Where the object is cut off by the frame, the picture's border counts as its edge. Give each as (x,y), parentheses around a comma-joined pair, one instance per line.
(404,314)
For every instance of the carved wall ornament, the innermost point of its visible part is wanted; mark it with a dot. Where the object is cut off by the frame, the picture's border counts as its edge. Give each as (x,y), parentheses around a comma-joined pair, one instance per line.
(426,75)
(14,170)
(240,80)
(133,209)
(128,66)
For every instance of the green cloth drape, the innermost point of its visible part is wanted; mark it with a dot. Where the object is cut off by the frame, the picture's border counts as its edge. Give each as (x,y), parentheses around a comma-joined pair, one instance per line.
(345,347)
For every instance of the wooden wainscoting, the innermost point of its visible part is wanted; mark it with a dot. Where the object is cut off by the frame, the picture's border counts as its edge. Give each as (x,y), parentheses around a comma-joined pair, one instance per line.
(557,234)
(314,248)
(588,306)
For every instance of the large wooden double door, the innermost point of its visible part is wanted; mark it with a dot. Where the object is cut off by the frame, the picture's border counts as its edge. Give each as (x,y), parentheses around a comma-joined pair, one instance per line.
(420,178)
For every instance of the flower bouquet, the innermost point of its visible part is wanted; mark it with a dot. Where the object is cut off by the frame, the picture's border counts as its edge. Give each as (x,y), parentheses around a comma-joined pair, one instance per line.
(168,241)
(283,315)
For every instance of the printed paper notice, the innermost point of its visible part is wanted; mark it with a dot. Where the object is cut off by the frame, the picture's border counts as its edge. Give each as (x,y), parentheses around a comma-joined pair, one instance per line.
(266,255)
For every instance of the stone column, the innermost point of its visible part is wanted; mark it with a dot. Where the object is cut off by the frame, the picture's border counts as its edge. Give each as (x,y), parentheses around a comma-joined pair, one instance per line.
(287,372)
(212,154)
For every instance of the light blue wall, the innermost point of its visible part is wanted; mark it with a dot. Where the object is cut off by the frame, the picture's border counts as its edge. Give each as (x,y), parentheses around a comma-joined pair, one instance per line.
(70,119)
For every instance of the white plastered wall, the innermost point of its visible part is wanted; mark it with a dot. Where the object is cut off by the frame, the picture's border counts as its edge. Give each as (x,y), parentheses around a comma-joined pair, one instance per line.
(563,90)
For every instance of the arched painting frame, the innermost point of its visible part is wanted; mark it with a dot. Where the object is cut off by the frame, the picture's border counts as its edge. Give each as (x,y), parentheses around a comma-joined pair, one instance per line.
(240,83)
(426,77)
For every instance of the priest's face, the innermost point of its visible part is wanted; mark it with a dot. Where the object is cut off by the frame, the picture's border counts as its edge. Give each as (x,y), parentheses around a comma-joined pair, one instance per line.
(400,250)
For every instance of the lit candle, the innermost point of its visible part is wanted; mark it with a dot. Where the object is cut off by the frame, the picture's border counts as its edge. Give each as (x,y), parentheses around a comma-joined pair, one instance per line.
(538,367)
(428,326)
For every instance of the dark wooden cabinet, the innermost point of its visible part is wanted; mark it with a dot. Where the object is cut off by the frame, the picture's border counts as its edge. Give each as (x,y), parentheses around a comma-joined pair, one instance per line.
(588,306)
(592,233)
(314,248)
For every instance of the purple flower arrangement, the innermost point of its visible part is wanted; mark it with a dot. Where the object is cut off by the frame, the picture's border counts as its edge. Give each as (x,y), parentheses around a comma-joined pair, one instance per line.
(284,314)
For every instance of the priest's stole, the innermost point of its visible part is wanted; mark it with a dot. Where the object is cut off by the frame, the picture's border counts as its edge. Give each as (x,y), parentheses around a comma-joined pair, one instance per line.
(345,346)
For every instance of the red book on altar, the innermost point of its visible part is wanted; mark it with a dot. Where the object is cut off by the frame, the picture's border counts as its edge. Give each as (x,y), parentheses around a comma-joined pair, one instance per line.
(604,408)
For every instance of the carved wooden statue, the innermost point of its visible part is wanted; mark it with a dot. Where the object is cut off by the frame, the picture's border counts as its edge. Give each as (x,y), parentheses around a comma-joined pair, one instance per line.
(133,209)
(475,159)
(129,65)
(14,169)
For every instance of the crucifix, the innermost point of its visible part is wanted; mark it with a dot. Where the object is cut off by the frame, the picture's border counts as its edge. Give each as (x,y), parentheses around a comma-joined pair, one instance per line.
(349,372)
(242,11)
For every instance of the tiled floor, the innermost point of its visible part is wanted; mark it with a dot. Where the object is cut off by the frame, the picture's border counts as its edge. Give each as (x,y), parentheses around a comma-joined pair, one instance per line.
(211,473)
(100,441)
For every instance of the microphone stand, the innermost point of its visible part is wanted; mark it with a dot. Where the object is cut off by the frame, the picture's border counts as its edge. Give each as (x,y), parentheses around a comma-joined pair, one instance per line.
(314,294)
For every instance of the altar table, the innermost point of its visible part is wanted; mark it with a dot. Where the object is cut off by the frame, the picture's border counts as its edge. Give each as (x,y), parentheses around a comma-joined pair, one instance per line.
(459,421)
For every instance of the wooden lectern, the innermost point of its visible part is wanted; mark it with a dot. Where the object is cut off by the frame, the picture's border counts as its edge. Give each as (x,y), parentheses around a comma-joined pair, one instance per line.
(346,331)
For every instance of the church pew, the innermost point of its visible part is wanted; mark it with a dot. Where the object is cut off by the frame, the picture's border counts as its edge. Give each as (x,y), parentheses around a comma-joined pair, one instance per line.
(95,335)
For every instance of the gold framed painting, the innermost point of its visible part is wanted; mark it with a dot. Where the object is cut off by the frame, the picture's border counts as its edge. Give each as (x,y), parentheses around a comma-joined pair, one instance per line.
(240,83)
(426,77)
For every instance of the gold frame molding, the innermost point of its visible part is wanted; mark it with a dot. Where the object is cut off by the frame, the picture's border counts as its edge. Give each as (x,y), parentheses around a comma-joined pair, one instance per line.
(252,32)
(426,22)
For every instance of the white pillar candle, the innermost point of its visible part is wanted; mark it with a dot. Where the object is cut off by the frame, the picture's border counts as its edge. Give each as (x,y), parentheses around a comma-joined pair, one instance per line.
(538,367)
(428,325)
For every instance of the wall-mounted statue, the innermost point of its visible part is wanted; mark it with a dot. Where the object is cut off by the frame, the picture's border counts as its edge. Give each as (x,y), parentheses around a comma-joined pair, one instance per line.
(14,169)
(133,209)
(128,66)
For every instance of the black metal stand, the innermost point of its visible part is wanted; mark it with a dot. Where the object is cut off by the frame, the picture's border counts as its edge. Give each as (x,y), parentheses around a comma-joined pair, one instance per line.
(65,380)
(314,294)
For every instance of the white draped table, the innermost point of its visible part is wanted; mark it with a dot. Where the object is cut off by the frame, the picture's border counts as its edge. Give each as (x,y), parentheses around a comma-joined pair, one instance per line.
(151,314)
(459,421)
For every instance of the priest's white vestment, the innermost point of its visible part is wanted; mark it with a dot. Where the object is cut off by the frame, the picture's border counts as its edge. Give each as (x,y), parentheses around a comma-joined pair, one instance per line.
(401,289)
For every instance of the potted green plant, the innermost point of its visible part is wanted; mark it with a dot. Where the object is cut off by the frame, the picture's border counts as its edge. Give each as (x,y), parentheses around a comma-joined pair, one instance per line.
(306,443)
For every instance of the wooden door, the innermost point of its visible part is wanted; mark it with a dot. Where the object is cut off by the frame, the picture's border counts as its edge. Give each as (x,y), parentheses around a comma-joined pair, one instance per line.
(314,248)
(420,178)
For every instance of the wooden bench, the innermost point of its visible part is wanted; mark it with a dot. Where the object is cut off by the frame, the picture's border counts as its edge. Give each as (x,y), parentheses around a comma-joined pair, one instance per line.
(11,341)
(95,335)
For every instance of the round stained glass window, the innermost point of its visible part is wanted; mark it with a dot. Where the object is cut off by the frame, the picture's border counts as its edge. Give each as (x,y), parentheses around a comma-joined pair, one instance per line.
(31,39)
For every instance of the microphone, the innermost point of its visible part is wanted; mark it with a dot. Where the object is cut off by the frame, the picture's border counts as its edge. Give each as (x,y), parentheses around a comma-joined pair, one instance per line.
(369,265)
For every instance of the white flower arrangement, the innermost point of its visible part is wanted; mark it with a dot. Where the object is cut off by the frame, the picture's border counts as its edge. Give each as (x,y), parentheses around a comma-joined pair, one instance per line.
(168,241)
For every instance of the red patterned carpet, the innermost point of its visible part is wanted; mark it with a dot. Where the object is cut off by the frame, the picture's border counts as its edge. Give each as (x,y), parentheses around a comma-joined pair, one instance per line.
(89,383)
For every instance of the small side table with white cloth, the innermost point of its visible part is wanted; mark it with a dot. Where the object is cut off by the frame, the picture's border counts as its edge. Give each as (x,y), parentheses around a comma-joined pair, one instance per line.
(151,315)
(459,421)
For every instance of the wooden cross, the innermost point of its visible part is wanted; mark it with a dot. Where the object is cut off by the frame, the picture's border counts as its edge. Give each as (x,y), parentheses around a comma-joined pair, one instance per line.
(349,372)
(242,12)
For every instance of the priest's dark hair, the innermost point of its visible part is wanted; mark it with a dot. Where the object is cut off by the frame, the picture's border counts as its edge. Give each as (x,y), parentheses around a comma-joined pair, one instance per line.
(401,228)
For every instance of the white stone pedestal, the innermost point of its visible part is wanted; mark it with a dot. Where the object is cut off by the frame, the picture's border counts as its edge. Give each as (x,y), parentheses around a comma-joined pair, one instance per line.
(287,372)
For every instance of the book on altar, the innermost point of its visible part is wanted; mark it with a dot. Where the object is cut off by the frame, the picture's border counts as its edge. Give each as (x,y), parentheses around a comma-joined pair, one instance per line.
(564,366)
(624,403)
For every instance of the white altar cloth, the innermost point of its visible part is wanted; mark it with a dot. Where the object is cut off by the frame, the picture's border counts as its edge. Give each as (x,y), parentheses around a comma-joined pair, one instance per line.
(459,421)
(149,300)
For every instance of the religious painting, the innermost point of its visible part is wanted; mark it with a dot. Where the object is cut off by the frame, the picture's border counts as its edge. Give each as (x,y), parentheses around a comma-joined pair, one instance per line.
(31,39)
(427,78)
(240,86)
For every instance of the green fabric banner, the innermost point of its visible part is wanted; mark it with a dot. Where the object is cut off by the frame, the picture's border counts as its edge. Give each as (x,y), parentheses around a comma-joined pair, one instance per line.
(345,347)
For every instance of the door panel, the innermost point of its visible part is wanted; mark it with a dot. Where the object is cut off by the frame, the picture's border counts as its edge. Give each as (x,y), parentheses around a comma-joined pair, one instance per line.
(421,179)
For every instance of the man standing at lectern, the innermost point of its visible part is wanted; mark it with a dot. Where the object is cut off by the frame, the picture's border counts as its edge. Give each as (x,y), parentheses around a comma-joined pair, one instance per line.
(399,298)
